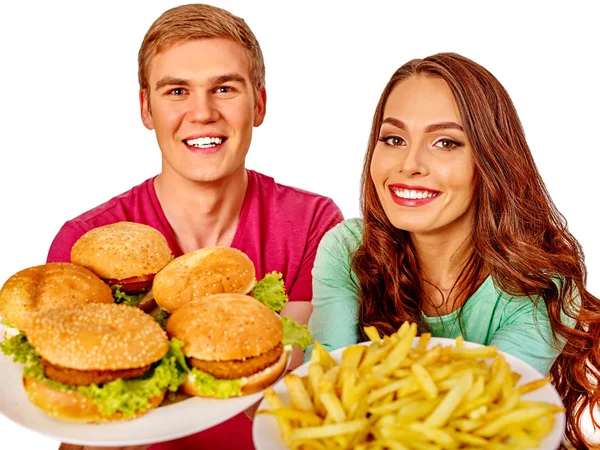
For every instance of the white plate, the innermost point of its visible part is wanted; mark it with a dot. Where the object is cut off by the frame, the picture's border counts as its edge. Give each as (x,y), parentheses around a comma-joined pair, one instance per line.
(164,423)
(266,435)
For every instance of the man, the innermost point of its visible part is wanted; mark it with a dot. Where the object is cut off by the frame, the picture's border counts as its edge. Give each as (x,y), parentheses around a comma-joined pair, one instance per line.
(202,90)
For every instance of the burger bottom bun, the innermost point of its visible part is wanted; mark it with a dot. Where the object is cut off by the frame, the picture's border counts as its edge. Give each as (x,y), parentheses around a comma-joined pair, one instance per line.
(73,406)
(257,382)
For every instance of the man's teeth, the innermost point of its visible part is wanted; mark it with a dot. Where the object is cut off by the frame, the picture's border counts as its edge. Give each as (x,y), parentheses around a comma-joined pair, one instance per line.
(412,194)
(205,142)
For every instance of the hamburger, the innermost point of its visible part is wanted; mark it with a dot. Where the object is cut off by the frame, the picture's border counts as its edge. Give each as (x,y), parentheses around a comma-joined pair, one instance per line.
(95,362)
(127,256)
(215,270)
(48,286)
(207,271)
(233,345)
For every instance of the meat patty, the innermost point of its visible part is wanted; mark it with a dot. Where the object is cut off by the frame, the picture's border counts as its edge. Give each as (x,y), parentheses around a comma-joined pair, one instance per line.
(230,370)
(87,377)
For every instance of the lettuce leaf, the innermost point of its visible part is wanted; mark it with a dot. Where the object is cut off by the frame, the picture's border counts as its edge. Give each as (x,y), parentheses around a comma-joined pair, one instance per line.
(209,386)
(124,396)
(294,334)
(270,291)
(5,323)
(20,349)
(206,384)
(126,299)
(160,316)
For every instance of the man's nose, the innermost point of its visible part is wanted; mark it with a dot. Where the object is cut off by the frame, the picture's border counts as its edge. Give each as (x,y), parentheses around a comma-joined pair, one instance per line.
(202,109)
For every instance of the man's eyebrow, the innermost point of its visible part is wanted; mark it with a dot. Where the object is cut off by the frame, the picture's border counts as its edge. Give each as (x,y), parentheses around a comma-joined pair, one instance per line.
(226,78)
(214,81)
(170,81)
(428,129)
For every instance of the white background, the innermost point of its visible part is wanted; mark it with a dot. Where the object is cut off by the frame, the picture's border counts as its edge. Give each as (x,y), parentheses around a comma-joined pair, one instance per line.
(71,137)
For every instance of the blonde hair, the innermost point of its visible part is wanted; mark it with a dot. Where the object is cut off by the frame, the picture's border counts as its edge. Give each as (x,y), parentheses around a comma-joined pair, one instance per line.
(198,21)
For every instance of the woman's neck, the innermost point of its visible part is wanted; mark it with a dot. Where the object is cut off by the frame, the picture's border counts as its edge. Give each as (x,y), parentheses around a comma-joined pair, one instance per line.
(442,257)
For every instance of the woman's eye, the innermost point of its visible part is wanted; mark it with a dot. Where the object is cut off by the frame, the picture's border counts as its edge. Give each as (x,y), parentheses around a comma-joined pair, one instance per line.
(447,144)
(394,141)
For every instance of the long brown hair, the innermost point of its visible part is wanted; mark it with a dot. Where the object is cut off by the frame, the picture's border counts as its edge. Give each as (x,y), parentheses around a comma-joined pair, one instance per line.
(518,236)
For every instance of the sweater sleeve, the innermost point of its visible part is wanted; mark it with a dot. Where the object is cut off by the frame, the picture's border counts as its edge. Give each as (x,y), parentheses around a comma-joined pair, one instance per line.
(334,319)
(526,333)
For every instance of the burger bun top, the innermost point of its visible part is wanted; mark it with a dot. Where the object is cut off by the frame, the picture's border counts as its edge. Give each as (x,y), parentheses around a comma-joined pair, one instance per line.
(48,286)
(207,271)
(122,250)
(97,336)
(225,327)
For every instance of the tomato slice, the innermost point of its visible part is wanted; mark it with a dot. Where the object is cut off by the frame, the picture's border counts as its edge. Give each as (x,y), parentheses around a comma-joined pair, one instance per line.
(130,280)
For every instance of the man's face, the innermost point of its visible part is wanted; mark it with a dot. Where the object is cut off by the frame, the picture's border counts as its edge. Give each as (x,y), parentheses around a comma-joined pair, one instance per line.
(202,106)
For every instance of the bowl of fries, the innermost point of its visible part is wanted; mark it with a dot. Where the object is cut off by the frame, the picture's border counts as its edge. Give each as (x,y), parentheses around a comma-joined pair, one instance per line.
(403,392)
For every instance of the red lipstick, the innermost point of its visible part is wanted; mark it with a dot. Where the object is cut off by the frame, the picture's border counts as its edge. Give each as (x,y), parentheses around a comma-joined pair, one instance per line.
(412,202)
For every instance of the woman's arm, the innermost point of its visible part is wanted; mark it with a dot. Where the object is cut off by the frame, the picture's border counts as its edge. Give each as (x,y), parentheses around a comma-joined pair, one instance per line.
(335,293)
(527,334)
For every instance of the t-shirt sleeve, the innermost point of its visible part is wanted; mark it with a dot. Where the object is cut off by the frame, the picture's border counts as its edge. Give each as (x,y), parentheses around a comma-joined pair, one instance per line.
(333,322)
(326,217)
(526,333)
(60,249)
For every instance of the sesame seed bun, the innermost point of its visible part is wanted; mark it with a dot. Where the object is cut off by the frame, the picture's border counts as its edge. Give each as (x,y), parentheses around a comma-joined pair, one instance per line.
(203,272)
(72,406)
(252,384)
(122,250)
(97,336)
(225,327)
(48,286)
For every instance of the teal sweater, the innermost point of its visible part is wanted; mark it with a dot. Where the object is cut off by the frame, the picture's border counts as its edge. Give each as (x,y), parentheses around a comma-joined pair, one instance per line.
(489,317)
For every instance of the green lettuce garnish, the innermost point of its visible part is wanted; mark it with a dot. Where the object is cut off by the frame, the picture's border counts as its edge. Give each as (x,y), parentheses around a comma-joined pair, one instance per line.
(209,386)
(124,396)
(160,317)
(270,291)
(126,299)
(5,323)
(205,383)
(294,334)
(20,349)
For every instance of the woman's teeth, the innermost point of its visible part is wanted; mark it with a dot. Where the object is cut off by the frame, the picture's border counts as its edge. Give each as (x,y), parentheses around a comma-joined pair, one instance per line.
(412,194)
(205,142)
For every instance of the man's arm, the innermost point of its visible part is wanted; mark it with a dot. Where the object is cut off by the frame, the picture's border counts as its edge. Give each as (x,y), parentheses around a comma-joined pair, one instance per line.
(60,249)
(300,312)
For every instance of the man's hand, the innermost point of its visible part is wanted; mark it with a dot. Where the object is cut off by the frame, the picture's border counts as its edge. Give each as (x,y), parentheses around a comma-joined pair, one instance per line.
(300,312)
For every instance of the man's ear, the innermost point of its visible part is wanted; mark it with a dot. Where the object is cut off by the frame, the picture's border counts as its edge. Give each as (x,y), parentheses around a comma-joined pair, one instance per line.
(145,109)
(260,109)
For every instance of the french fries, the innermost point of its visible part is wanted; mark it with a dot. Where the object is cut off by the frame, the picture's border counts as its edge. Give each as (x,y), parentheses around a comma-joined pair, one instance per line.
(399,396)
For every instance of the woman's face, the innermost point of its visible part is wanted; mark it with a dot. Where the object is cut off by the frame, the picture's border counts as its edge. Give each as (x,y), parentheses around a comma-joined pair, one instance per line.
(422,166)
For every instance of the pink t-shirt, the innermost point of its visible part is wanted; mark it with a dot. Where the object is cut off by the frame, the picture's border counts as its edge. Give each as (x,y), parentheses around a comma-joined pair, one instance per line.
(279,229)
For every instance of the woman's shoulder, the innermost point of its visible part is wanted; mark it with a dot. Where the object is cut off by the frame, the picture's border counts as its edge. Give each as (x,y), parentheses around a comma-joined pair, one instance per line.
(345,236)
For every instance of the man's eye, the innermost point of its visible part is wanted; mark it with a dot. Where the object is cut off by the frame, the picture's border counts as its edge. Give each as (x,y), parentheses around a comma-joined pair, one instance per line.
(224,89)
(177,91)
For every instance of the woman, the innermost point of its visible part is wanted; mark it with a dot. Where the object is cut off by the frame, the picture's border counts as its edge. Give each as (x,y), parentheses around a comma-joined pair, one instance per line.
(460,235)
